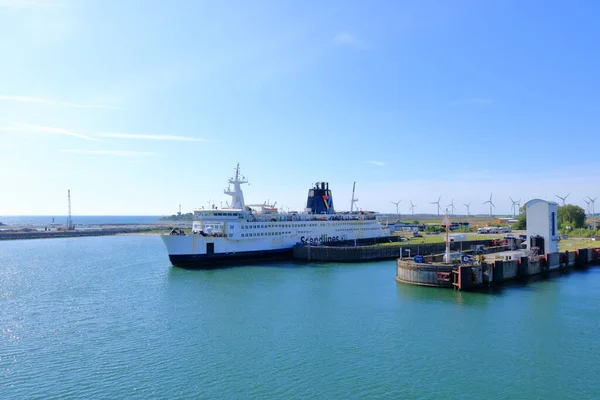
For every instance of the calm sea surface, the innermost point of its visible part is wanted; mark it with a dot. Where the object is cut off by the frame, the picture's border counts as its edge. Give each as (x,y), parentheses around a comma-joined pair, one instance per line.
(108,317)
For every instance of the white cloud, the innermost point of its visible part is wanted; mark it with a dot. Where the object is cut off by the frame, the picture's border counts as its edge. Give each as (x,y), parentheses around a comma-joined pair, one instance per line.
(118,153)
(378,163)
(348,39)
(42,100)
(134,136)
(19,127)
(29,128)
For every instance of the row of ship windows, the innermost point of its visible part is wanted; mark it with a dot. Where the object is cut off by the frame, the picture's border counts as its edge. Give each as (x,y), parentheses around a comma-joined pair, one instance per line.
(337,230)
(289,225)
(276,226)
(218,214)
(357,228)
(265,234)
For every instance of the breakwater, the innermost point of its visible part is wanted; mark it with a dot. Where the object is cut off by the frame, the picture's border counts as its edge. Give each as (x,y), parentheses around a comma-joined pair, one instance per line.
(385,249)
(507,267)
(64,234)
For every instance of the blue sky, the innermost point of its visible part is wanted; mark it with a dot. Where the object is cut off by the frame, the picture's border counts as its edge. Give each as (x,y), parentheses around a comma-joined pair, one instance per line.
(140,106)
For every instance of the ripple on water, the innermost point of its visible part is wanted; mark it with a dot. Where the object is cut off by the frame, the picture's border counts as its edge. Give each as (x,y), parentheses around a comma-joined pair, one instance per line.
(108,317)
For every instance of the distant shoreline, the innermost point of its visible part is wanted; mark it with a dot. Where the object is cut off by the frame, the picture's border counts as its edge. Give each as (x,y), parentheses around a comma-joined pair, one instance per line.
(40,232)
(78,220)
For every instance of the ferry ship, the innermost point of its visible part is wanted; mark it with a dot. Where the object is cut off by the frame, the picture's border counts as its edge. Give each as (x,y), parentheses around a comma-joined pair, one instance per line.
(245,233)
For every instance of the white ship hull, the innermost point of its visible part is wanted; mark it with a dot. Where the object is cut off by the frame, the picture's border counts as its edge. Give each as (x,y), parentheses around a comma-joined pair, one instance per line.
(276,240)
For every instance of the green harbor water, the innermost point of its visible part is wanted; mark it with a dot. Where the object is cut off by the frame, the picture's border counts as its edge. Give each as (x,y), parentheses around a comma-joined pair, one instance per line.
(109,317)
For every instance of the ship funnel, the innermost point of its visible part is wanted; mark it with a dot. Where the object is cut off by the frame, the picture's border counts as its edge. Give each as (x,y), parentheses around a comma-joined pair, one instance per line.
(320,200)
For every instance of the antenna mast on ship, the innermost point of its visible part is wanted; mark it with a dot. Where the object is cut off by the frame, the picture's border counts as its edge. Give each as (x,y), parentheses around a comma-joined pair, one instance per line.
(353,199)
(237,196)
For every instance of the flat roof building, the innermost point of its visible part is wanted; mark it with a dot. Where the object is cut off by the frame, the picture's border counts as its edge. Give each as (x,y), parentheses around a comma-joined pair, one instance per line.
(542,225)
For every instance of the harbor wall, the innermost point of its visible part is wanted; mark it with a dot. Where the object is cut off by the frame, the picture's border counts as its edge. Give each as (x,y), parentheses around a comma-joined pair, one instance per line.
(424,274)
(553,261)
(393,250)
(65,234)
(484,274)
(505,270)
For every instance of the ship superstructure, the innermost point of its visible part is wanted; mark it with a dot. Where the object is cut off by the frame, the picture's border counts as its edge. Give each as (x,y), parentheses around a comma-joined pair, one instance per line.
(248,232)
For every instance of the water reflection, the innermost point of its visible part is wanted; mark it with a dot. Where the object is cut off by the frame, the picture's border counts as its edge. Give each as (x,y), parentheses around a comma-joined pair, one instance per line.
(438,295)
(285,264)
(445,295)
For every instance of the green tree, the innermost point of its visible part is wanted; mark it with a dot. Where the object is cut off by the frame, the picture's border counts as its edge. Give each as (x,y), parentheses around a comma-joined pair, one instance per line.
(568,215)
(432,229)
(571,215)
(521,223)
(176,217)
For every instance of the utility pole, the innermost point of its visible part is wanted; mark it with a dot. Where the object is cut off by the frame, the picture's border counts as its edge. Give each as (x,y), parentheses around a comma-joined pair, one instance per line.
(446,221)
(69,219)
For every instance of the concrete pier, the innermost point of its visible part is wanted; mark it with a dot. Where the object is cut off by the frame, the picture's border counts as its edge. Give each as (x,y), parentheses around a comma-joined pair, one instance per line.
(491,271)
(349,253)
(424,274)
(71,233)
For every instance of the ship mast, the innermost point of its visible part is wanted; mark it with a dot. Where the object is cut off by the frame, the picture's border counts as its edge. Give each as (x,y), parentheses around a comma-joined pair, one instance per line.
(353,199)
(237,196)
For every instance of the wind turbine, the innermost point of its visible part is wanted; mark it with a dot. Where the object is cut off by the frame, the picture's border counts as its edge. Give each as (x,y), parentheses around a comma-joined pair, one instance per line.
(514,204)
(587,206)
(451,205)
(593,209)
(491,204)
(562,198)
(396,203)
(468,205)
(412,208)
(438,205)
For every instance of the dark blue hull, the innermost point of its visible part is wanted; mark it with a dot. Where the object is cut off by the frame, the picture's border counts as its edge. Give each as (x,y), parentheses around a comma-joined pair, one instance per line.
(205,261)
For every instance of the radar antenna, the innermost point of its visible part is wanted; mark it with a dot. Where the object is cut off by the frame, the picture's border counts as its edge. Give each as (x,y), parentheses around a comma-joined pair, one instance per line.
(237,196)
